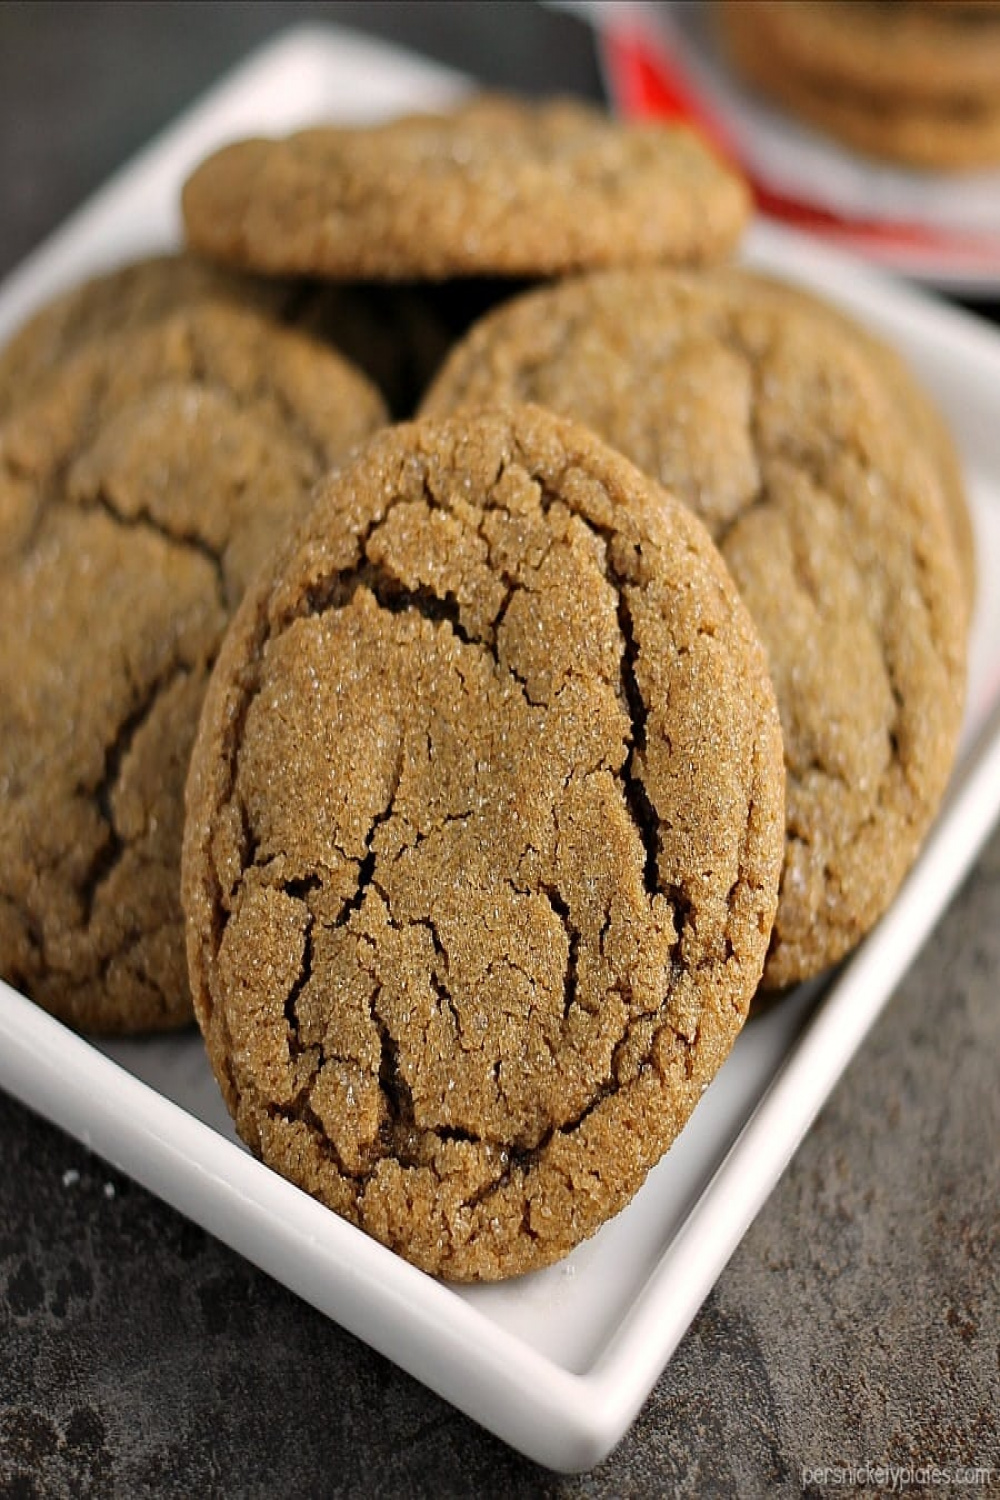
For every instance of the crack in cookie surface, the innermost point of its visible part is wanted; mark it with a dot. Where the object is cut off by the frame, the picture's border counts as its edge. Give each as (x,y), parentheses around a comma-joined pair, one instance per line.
(780,425)
(140,488)
(438,712)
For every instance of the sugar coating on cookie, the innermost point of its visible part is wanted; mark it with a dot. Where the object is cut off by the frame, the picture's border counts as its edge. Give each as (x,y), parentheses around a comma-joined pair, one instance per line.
(128,297)
(496,186)
(779,429)
(924,421)
(140,490)
(395,334)
(485,819)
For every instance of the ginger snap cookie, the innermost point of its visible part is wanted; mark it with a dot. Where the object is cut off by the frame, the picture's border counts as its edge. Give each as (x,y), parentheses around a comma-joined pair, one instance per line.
(484,827)
(924,420)
(911,81)
(495,187)
(140,490)
(396,335)
(128,297)
(773,423)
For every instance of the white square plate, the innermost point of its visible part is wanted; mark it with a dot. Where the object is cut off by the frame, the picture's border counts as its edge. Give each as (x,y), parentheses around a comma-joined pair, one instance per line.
(557,1363)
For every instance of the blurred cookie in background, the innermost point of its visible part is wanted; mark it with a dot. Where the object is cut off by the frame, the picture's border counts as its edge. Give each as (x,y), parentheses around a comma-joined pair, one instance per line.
(910,81)
(495,187)
(128,297)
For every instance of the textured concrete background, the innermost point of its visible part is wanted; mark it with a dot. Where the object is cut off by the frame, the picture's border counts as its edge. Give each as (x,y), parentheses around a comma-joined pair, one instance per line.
(859,1321)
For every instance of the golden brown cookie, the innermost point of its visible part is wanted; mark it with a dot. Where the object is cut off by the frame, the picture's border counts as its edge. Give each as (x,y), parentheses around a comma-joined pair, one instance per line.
(924,420)
(497,186)
(397,335)
(930,431)
(890,50)
(773,424)
(140,490)
(128,297)
(484,828)
(913,82)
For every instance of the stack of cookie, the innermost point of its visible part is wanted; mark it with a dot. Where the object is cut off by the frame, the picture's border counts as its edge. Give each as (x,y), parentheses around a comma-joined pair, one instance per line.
(911,81)
(524,741)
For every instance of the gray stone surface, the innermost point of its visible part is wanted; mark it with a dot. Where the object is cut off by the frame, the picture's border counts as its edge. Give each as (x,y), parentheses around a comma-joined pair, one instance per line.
(858,1321)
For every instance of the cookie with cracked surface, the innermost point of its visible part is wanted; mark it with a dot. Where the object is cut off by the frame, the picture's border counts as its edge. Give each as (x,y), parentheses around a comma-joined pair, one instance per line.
(925,421)
(396,335)
(497,186)
(128,297)
(484,827)
(776,426)
(140,490)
